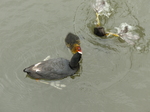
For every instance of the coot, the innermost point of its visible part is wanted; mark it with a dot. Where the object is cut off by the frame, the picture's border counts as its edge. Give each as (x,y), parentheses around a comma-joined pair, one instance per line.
(54,69)
(99,31)
(73,42)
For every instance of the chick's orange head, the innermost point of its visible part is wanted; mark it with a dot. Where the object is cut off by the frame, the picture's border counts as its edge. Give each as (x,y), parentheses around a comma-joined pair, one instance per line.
(78,49)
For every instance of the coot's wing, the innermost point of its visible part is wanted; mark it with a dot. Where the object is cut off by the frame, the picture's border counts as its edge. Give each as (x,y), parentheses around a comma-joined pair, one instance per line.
(50,75)
(52,69)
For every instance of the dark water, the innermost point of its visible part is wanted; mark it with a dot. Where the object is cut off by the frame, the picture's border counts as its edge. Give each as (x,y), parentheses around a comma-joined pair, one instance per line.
(114,77)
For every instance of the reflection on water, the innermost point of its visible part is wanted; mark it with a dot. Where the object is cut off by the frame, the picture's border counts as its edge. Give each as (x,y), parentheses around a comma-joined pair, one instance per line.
(114,75)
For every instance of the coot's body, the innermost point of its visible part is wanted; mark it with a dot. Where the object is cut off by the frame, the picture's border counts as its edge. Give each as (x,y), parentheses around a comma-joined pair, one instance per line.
(59,68)
(53,69)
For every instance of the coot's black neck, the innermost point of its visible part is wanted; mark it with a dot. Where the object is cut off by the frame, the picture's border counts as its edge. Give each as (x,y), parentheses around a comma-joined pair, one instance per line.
(74,62)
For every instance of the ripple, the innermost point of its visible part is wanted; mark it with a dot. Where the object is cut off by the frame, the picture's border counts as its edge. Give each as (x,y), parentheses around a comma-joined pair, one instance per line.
(111,60)
(84,23)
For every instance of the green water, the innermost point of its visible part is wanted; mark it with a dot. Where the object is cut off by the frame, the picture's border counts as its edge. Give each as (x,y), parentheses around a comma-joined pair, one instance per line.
(114,76)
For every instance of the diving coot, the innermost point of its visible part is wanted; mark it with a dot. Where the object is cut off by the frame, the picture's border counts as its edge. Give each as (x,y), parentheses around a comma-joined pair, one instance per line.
(99,31)
(54,69)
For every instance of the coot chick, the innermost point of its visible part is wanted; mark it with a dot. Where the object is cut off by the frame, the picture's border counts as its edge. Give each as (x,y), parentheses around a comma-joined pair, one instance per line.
(99,31)
(54,69)
(73,42)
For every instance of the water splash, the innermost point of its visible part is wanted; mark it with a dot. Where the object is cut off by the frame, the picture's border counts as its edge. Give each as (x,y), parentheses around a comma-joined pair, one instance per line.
(55,84)
(101,7)
(124,31)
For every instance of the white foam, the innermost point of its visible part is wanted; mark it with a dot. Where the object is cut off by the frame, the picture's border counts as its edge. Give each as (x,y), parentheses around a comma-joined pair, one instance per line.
(127,35)
(102,8)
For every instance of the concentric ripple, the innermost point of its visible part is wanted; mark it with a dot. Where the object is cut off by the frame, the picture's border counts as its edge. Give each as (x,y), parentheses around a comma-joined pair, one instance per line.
(111,58)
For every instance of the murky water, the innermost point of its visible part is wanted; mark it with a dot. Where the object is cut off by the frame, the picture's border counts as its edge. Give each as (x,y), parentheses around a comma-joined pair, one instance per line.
(114,76)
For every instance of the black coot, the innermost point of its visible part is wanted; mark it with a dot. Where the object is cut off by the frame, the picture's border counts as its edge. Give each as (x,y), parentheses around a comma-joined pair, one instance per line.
(53,69)
(99,31)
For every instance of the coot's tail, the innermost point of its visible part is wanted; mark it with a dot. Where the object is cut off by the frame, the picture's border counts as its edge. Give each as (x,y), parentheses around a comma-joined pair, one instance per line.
(25,70)
(28,69)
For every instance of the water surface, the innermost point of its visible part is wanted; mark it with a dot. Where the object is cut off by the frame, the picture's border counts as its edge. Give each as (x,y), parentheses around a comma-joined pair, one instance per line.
(114,76)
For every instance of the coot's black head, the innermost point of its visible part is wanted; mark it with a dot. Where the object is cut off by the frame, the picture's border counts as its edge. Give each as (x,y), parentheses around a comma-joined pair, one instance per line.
(74,62)
(99,31)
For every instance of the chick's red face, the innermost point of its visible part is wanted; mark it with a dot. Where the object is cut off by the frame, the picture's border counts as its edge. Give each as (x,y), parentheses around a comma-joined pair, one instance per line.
(78,48)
